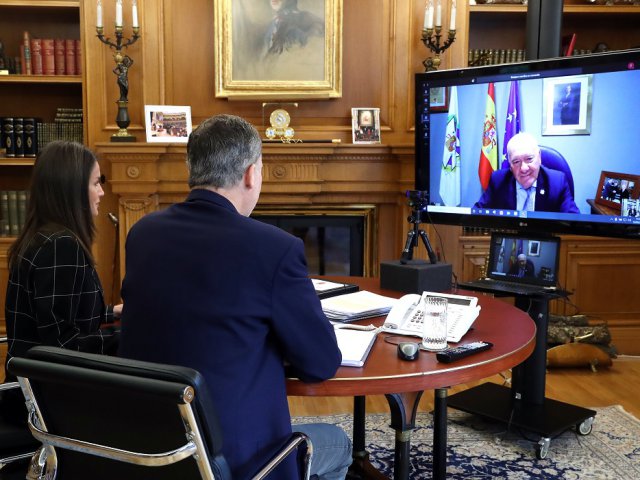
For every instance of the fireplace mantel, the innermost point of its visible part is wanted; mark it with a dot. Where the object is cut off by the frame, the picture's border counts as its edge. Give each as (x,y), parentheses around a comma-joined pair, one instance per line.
(146,177)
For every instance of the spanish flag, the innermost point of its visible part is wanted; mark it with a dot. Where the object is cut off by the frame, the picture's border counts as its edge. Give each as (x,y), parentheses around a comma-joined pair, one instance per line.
(489,153)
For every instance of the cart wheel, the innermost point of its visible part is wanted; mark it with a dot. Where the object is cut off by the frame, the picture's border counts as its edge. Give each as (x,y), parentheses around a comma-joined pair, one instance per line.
(585,427)
(542,448)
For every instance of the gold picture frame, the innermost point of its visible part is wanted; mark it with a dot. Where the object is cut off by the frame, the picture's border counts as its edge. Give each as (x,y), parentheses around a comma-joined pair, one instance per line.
(254,59)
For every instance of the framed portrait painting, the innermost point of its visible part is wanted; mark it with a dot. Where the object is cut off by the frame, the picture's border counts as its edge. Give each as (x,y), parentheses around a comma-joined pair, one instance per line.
(566,108)
(167,123)
(278,49)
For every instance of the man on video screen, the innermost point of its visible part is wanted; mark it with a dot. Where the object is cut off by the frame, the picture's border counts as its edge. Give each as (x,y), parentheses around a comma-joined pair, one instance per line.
(527,185)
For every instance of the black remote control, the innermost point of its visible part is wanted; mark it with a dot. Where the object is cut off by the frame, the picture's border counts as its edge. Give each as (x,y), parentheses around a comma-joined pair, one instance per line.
(456,353)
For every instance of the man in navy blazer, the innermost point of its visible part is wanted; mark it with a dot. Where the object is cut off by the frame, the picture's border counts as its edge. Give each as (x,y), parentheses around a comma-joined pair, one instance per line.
(527,185)
(209,288)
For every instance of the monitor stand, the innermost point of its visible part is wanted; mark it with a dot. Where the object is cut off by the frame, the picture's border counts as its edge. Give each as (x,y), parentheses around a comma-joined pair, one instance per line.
(523,405)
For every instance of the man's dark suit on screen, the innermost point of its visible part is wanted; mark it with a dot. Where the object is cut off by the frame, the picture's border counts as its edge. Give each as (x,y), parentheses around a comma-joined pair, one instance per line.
(517,270)
(552,192)
(238,328)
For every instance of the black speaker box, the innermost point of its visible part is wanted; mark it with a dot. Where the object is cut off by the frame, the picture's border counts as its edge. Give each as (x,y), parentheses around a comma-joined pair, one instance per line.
(416,276)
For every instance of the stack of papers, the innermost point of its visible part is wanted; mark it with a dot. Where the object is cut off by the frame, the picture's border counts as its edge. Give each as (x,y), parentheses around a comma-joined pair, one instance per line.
(356,306)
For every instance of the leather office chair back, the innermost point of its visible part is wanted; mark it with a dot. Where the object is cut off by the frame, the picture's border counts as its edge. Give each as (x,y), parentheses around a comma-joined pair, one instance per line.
(17,445)
(551,158)
(156,413)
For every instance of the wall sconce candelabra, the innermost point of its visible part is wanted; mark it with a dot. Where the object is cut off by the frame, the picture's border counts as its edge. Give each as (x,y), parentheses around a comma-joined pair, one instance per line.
(123,63)
(432,37)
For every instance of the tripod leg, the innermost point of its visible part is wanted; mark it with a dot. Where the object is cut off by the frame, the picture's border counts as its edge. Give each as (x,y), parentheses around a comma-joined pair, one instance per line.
(407,252)
(427,245)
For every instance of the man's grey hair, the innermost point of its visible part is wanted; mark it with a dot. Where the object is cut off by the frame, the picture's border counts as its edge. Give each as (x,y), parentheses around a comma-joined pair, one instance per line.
(220,150)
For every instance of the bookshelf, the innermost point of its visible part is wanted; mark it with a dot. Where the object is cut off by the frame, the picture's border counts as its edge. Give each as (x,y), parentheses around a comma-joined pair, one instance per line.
(494,26)
(36,96)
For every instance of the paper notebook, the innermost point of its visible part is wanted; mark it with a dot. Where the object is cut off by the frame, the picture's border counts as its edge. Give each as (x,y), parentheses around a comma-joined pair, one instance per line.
(355,345)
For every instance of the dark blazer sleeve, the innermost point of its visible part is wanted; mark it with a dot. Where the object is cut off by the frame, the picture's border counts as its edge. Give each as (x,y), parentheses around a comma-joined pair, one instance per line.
(67,299)
(307,338)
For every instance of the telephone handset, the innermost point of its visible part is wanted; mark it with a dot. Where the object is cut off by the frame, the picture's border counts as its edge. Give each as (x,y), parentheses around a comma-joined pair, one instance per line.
(405,318)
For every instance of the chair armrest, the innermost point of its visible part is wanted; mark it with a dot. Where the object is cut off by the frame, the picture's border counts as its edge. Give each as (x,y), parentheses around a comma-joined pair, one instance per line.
(295,440)
(146,459)
(8,386)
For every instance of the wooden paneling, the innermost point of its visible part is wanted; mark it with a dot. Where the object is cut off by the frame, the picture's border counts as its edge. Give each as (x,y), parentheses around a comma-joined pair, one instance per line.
(174,65)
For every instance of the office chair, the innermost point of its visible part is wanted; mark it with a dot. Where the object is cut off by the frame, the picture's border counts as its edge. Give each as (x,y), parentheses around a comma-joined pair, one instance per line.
(17,444)
(106,417)
(551,158)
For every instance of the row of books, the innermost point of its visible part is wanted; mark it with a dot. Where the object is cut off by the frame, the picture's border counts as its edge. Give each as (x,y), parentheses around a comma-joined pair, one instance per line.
(13,207)
(47,56)
(26,136)
(491,56)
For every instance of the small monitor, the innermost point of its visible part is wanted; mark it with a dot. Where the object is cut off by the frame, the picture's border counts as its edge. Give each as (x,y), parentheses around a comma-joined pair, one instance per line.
(574,120)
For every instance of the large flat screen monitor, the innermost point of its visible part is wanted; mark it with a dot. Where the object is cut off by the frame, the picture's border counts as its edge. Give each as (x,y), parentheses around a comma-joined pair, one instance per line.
(573,130)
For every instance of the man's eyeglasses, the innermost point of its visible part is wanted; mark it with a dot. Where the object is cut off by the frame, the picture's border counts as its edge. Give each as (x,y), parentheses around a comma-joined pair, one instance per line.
(527,161)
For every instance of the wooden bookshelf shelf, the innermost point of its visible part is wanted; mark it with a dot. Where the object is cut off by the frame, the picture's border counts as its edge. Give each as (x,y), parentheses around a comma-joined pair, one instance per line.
(16,161)
(41,79)
(41,3)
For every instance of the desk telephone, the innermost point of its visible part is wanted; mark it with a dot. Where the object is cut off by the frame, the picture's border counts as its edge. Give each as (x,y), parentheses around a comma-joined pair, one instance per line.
(405,318)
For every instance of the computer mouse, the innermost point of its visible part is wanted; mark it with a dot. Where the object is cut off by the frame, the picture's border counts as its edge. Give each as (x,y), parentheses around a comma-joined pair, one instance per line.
(408,350)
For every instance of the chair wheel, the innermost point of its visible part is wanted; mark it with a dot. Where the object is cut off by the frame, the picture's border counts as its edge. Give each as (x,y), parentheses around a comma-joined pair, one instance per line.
(542,448)
(586,426)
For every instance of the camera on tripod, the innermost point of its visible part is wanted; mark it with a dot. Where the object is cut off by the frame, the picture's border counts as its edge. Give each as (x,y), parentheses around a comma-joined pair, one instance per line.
(418,201)
(416,275)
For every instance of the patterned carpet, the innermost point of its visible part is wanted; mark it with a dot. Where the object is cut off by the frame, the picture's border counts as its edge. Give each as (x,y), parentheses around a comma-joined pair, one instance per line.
(478,449)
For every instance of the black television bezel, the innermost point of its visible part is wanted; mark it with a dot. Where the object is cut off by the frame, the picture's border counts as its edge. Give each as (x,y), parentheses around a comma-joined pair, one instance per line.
(583,64)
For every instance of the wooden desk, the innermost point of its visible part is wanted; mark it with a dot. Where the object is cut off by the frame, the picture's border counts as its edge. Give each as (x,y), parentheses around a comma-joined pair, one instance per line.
(512,332)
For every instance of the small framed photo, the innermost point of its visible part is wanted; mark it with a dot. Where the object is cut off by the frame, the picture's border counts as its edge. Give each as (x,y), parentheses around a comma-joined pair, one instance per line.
(534,248)
(439,99)
(365,125)
(614,188)
(566,108)
(167,123)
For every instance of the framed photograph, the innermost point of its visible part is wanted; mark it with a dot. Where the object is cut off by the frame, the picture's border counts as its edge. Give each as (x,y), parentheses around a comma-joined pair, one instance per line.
(365,125)
(278,49)
(566,108)
(439,99)
(614,188)
(167,123)
(534,248)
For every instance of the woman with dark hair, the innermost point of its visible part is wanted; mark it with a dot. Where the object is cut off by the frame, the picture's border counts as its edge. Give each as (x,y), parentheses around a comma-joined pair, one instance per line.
(54,296)
(290,27)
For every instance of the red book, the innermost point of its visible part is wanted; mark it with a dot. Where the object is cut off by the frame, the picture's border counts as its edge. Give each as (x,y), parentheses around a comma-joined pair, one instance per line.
(36,56)
(48,60)
(59,57)
(70,56)
(78,57)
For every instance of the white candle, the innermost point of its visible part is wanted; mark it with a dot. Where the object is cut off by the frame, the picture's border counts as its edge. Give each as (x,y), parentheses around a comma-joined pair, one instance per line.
(439,14)
(134,14)
(99,20)
(428,16)
(119,13)
(452,22)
